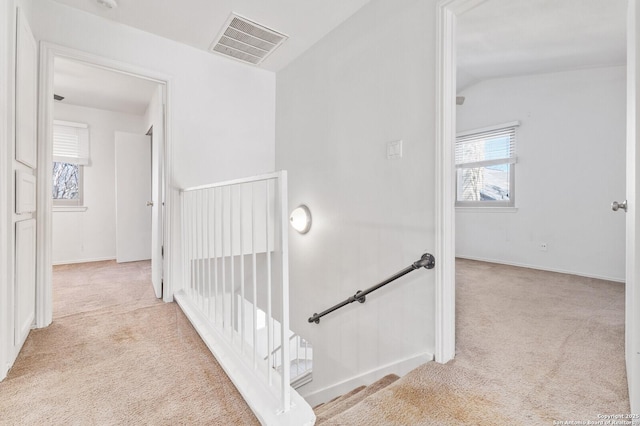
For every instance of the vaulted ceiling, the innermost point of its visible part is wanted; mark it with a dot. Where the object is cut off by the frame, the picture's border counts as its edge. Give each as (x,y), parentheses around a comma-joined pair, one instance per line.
(502,38)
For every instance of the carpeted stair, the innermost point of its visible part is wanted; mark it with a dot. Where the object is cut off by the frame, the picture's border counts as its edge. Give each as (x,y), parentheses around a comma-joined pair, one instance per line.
(533,347)
(432,394)
(325,412)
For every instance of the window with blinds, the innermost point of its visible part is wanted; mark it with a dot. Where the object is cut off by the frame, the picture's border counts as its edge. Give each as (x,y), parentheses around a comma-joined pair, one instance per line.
(70,143)
(485,162)
(70,154)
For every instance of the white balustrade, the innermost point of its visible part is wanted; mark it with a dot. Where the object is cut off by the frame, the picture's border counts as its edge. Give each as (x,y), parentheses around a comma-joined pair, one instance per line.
(236,282)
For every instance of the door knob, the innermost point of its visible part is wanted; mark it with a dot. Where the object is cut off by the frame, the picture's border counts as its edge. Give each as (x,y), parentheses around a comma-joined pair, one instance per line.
(150,204)
(616,205)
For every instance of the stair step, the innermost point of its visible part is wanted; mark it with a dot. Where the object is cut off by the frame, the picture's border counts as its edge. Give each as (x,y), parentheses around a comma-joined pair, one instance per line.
(339,399)
(343,404)
(302,379)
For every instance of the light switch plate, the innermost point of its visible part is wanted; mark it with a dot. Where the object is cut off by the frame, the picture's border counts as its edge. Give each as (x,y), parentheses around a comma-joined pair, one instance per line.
(394,150)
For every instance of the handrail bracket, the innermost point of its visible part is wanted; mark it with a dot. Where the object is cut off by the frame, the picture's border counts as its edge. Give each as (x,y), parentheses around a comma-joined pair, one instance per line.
(427,261)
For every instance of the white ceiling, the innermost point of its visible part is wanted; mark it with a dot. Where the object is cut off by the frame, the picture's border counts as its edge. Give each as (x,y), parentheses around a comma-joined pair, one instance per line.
(502,38)
(94,87)
(198,22)
(499,38)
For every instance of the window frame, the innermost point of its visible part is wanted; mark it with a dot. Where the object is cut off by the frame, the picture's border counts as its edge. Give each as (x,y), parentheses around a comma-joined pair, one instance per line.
(78,155)
(77,202)
(510,162)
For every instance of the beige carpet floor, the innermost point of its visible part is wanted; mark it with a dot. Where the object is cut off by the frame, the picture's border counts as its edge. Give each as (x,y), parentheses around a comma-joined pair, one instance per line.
(117,355)
(532,347)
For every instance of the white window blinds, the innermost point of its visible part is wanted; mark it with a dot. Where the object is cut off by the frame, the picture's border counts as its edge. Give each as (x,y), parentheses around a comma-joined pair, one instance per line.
(70,142)
(487,147)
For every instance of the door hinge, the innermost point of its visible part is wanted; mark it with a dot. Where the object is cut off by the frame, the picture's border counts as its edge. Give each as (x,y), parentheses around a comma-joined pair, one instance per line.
(162,251)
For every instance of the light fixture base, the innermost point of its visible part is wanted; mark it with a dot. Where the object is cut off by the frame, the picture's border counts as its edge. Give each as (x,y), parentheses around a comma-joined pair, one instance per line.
(300,219)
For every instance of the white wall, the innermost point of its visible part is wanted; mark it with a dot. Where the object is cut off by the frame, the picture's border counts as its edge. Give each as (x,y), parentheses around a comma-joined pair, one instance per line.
(222,113)
(91,235)
(571,166)
(337,107)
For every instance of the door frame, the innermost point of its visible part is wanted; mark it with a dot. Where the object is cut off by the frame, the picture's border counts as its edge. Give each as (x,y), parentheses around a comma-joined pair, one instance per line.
(44,276)
(632,273)
(445,287)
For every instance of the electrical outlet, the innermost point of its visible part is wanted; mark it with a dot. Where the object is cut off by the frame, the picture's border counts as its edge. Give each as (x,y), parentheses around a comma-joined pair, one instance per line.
(543,246)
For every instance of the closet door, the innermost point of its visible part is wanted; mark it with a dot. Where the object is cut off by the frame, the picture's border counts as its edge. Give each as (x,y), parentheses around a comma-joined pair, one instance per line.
(133,195)
(24,172)
(25,278)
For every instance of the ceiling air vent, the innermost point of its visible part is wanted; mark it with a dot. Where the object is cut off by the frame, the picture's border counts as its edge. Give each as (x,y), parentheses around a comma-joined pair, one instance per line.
(247,41)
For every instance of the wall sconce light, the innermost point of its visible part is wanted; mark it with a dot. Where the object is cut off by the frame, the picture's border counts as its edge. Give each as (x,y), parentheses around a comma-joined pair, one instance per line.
(301,219)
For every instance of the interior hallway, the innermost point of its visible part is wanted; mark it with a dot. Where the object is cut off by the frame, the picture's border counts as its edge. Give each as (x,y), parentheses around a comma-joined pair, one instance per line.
(117,355)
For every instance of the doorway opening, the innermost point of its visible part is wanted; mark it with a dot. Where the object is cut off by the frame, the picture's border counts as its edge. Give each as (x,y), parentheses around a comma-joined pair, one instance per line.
(594,90)
(114,208)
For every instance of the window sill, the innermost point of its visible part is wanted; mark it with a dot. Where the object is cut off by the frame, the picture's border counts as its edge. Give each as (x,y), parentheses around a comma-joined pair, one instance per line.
(486,209)
(69,209)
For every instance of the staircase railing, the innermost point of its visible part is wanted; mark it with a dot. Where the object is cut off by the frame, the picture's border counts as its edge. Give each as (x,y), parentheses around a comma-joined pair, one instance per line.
(301,360)
(427,261)
(236,287)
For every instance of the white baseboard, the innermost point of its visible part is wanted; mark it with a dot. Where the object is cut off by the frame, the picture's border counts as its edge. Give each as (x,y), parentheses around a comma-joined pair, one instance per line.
(94,259)
(400,368)
(540,268)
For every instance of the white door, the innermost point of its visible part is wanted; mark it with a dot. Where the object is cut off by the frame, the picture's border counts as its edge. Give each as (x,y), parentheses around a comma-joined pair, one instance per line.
(24,168)
(156,113)
(632,320)
(157,251)
(25,279)
(133,197)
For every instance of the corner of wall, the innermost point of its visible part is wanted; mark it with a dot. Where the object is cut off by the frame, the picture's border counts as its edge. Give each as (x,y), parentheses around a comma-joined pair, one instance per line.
(339,105)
